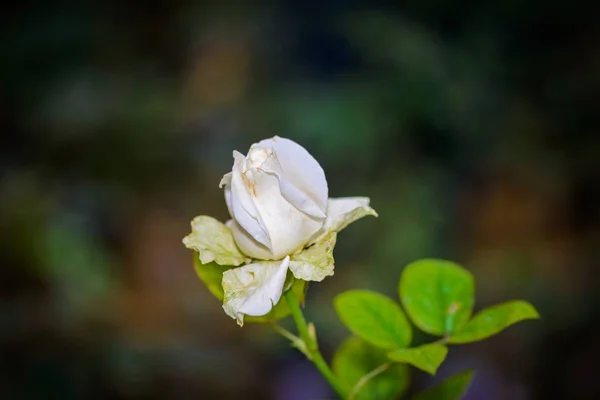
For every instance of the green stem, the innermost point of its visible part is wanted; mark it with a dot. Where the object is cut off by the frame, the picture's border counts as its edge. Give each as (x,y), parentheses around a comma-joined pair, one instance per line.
(311,344)
(296,341)
(284,332)
(443,340)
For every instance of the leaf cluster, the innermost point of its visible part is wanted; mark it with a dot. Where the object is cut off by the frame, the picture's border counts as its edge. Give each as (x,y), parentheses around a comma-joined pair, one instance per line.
(437,296)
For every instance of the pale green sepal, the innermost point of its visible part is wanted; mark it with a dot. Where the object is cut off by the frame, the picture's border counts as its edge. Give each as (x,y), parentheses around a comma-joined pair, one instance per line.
(214,242)
(316,262)
(343,211)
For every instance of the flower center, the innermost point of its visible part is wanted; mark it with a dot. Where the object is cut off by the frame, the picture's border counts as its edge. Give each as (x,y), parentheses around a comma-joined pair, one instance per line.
(257,156)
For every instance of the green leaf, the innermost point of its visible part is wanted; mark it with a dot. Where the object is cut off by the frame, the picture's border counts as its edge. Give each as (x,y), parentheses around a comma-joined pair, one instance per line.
(375,318)
(494,319)
(316,262)
(211,275)
(437,295)
(214,242)
(452,388)
(355,358)
(427,357)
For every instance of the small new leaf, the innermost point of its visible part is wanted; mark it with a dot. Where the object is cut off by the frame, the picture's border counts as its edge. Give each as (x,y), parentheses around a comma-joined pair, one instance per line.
(427,357)
(437,295)
(494,319)
(316,262)
(452,388)
(375,318)
(214,242)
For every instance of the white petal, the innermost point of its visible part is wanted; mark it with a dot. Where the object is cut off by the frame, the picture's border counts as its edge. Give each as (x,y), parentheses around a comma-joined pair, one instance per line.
(247,244)
(289,228)
(300,168)
(213,241)
(257,155)
(295,196)
(225,180)
(227,193)
(341,212)
(253,289)
(243,209)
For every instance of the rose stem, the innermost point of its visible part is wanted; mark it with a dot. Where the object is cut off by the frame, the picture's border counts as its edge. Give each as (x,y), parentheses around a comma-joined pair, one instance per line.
(311,344)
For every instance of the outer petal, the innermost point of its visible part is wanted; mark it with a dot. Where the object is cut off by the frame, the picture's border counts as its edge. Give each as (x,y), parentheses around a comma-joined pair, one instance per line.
(253,289)
(300,168)
(247,244)
(289,228)
(213,241)
(242,205)
(226,182)
(341,212)
(316,262)
(226,179)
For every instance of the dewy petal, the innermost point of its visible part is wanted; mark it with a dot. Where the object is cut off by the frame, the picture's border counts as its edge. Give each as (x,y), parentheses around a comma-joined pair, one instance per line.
(246,242)
(214,242)
(289,228)
(295,196)
(316,262)
(341,212)
(300,168)
(253,289)
(243,209)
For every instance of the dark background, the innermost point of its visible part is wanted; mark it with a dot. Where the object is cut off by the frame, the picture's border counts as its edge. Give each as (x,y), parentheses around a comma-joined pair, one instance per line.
(473,127)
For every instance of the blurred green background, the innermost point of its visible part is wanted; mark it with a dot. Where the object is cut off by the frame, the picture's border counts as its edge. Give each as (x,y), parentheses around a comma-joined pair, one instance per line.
(473,127)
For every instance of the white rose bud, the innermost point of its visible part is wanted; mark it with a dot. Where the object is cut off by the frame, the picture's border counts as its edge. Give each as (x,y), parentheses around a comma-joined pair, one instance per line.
(277,198)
